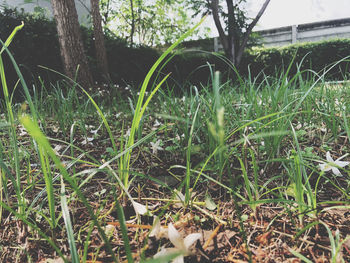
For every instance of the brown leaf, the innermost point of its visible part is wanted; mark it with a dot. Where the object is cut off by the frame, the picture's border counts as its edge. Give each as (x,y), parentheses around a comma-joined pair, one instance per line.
(264,239)
(259,254)
(219,240)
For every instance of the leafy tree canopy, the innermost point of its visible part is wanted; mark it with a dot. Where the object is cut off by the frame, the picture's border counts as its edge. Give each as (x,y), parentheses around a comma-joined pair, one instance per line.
(147,22)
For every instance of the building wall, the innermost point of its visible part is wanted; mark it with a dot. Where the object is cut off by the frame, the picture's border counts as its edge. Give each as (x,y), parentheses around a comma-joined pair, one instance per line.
(82,6)
(310,32)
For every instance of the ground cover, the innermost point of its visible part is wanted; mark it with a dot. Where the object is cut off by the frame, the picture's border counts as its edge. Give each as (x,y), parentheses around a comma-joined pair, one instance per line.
(243,198)
(230,172)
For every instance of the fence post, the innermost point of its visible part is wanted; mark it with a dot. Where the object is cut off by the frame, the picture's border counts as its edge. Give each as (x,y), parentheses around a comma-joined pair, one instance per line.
(216,44)
(294,34)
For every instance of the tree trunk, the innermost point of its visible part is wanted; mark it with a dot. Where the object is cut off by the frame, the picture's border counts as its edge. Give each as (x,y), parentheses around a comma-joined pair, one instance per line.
(233,45)
(231,32)
(249,31)
(222,36)
(132,31)
(70,40)
(101,54)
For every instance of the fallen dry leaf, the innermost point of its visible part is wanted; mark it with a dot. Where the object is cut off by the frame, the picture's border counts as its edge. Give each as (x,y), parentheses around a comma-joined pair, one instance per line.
(264,239)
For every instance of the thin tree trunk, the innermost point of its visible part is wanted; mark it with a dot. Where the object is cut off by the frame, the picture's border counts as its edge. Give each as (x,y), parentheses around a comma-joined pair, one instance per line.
(132,23)
(231,32)
(222,36)
(100,49)
(70,40)
(249,31)
(232,44)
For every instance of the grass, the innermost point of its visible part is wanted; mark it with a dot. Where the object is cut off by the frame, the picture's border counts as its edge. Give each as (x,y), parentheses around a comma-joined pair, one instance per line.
(237,162)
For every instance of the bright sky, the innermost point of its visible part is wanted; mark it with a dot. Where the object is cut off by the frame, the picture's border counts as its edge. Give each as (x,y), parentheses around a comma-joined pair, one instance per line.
(292,12)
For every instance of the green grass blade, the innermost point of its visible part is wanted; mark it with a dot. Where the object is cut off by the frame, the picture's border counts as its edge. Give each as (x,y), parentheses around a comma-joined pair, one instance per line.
(151,95)
(124,230)
(40,138)
(13,136)
(103,119)
(188,159)
(24,85)
(35,227)
(297,254)
(140,107)
(68,224)
(308,226)
(45,168)
(10,38)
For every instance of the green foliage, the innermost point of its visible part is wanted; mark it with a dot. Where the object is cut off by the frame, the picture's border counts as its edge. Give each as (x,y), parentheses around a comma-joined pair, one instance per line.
(206,44)
(236,30)
(38,44)
(130,65)
(314,56)
(227,143)
(145,22)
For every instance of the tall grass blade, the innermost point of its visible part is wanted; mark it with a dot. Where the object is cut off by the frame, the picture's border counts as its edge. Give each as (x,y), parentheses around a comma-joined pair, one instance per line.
(188,160)
(124,230)
(300,256)
(45,168)
(42,141)
(36,228)
(10,38)
(247,183)
(11,120)
(140,107)
(68,224)
(23,83)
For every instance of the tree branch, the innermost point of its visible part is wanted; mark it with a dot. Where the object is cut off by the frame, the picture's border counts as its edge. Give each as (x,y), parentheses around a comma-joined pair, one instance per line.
(215,11)
(231,30)
(132,31)
(249,31)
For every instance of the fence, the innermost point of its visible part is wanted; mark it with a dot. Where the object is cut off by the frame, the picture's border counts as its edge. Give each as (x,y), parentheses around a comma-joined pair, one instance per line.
(310,32)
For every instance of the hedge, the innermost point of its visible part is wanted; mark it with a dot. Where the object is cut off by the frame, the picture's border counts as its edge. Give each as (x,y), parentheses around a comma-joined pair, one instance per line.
(305,57)
(315,56)
(37,44)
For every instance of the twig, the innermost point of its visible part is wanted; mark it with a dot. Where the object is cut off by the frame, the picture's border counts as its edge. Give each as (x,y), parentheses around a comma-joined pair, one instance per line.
(212,236)
(222,222)
(302,239)
(130,225)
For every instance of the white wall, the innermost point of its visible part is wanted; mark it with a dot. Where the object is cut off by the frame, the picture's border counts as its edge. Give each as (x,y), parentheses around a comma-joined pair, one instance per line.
(82,6)
(310,32)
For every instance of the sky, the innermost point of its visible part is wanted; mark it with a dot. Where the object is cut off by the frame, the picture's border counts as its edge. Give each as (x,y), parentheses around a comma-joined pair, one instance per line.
(293,12)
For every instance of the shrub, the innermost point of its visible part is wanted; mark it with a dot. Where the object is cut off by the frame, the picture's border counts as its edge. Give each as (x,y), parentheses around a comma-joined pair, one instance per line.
(128,65)
(315,56)
(37,44)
